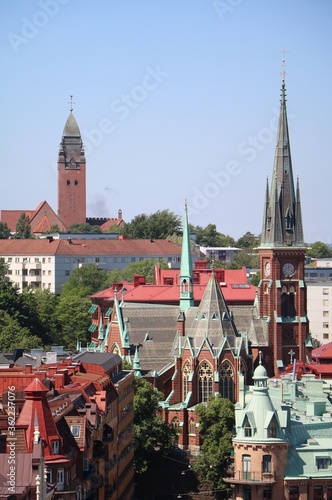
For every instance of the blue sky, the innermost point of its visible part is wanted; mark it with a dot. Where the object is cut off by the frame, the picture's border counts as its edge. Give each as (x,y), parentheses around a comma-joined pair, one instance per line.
(175,100)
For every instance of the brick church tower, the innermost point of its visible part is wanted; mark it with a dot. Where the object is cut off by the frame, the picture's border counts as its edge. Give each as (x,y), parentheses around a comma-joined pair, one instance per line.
(282,290)
(71,175)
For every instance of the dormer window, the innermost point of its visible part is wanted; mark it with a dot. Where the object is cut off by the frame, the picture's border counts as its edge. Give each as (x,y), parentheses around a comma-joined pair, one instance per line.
(75,430)
(272,430)
(55,447)
(247,429)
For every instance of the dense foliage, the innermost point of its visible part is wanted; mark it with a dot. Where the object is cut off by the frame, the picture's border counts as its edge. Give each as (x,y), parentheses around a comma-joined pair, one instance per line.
(23,227)
(216,424)
(158,225)
(319,250)
(153,437)
(4,231)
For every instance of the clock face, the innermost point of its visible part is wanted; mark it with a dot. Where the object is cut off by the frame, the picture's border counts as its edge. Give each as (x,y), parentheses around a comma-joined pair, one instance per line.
(267,269)
(288,269)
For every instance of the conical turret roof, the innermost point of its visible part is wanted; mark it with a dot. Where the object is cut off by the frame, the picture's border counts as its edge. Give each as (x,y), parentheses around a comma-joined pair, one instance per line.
(71,128)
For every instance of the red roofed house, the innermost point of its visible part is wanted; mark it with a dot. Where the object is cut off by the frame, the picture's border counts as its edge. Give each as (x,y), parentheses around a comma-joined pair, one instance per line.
(79,412)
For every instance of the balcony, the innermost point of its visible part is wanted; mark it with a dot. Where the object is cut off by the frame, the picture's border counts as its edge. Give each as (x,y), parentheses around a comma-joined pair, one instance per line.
(239,477)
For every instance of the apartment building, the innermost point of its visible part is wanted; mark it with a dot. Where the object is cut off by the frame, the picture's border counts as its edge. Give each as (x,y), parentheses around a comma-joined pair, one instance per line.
(48,263)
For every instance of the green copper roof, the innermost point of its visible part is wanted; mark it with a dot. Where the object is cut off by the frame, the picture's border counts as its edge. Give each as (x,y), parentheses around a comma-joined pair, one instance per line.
(186,271)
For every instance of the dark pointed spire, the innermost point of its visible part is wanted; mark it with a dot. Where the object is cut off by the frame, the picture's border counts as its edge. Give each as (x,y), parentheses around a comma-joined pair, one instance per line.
(282,225)
(186,270)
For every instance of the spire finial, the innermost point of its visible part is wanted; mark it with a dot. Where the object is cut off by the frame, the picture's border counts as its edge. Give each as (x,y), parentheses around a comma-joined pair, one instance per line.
(71,102)
(283,64)
(260,357)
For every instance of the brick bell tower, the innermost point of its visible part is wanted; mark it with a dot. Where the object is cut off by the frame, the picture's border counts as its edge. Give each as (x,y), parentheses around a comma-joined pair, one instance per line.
(282,290)
(71,175)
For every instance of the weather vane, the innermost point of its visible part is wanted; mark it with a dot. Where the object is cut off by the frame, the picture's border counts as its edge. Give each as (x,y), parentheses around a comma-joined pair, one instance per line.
(283,64)
(71,102)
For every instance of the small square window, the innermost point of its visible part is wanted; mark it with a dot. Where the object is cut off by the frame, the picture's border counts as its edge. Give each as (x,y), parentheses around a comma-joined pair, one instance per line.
(322,462)
(55,447)
(67,272)
(75,430)
(325,291)
(326,336)
(325,325)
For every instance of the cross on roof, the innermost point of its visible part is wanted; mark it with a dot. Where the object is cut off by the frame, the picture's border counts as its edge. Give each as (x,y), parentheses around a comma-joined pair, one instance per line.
(71,102)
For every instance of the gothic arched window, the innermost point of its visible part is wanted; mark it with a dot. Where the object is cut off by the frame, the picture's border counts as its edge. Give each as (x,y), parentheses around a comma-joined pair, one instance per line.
(185,378)
(175,423)
(205,382)
(192,426)
(226,380)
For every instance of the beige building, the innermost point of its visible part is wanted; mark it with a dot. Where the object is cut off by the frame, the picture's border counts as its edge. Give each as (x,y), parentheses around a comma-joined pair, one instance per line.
(319,305)
(48,263)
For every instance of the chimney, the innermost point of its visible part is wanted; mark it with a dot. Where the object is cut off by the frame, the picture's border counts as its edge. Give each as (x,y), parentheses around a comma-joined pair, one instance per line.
(28,369)
(139,280)
(49,239)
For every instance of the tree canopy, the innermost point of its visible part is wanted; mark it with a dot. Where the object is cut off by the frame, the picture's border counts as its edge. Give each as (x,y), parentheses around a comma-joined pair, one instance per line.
(158,225)
(210,237)
(216,420)
(23,227)
(319,250)
(84,228)
(4,231)
(85,281)
(153,437)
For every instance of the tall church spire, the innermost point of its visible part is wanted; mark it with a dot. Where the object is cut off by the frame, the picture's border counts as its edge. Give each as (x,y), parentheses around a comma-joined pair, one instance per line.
(186,271)
(282,223)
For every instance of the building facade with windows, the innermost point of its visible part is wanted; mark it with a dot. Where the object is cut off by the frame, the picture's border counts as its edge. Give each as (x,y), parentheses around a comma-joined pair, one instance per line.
(281,446)
(47,263)
(320,310)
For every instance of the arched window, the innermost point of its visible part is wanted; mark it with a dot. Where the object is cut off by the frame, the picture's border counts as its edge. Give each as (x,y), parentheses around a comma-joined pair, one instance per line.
(292,310)
(226,380)
(115,349)
(185,378)
(205,379)
(175,423)
(192,426)
(284,301)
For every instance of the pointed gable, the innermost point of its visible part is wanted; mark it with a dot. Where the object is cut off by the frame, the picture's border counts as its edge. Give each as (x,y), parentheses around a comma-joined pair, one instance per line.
(37,409)
(213,320)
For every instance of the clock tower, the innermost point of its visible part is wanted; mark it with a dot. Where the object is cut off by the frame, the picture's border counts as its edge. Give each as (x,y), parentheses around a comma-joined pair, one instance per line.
(71,175)
(282,290)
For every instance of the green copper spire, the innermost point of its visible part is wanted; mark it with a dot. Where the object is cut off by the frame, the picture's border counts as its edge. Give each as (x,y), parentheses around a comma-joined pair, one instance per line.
(186,271)
(282,224)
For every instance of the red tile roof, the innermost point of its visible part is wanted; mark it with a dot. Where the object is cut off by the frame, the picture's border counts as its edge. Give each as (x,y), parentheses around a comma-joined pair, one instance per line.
(322,352)
(89,247)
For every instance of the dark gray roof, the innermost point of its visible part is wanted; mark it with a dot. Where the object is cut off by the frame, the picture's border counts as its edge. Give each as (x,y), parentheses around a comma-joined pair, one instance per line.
(107,360)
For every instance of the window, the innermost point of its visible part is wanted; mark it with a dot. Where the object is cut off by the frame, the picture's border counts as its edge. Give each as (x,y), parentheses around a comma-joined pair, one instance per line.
(247,429)
(55,447)
(43,260)
(326,336)
(75,430)
(294,493)
(192,426)
(267,464)
(24,272)
(325,314)
(205,378)
(37,260)
(325,325)
(186,373)
(9,259)
(49,476)
(49,273)
(226,380)
(60,479)
(246,466)
(67,272)
(247,493)
(272,430)
(326,302)
(49,260)
(318,493)
(85,464)
(325,291)
(322,462)
(267,493)
(97,259)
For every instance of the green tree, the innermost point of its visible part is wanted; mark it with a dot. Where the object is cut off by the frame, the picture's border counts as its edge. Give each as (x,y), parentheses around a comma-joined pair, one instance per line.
(115,229)
(216,420)
(153,437)
(12,334)
(255,279)
(23,227)
(245,258)
(74,319)
(248,241)
(53,229)
(319,250)
(4,231)
(143,268)
(85,281)
(210,237)
(84,228)
(42,309)
(158,225)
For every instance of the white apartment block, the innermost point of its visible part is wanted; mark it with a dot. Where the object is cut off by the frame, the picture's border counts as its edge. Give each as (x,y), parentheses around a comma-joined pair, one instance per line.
(48,263)
(319,305)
